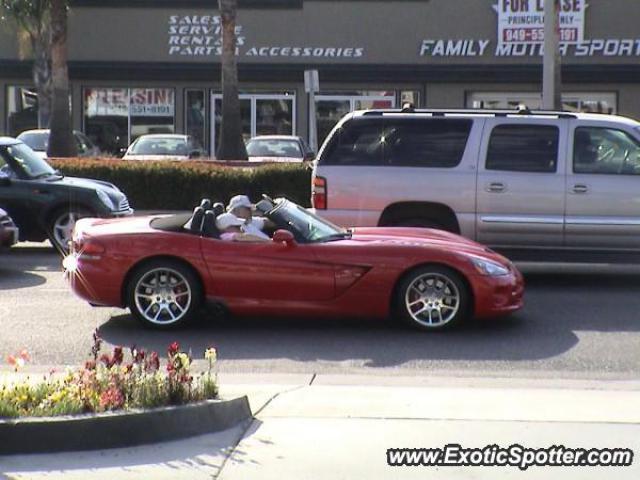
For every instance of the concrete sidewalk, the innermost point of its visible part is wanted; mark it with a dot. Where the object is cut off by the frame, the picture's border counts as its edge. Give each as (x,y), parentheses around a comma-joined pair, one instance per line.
(323,427)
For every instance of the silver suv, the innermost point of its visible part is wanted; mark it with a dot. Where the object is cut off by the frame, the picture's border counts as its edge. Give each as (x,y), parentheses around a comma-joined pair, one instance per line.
(505,178)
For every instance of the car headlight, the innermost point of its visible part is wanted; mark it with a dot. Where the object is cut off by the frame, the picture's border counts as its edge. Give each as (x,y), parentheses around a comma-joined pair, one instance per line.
(487,267)
(105,199)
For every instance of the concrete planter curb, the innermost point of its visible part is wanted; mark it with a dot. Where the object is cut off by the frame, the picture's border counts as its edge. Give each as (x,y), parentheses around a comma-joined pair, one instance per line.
(113,430)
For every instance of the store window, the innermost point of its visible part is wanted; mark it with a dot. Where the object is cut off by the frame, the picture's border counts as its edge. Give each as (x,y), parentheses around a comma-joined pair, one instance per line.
(261,114)
(22,109)
(331,107)
(114,117)
(595,102)
(195,115)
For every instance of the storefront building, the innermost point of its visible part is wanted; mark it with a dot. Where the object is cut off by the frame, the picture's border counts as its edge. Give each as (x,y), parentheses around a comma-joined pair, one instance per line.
(141,66)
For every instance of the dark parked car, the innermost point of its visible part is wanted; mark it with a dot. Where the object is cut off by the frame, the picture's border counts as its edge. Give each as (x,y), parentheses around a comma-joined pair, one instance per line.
(8,230)
(46,204)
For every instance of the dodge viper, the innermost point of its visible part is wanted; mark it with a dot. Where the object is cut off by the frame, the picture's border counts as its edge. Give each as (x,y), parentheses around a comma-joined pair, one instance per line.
(165,267)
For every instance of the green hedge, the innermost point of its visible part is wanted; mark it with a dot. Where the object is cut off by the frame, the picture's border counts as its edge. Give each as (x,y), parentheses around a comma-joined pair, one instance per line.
(181,185)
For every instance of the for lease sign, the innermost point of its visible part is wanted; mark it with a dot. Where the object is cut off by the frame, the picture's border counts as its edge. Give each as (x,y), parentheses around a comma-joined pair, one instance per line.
(522,21)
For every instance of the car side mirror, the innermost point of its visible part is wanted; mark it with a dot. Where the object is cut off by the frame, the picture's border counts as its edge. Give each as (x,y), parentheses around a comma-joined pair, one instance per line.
(284,236)
(194,154)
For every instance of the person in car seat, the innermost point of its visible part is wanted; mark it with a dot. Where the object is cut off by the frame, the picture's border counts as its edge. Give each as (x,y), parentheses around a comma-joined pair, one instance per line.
(241,207)
(230,228)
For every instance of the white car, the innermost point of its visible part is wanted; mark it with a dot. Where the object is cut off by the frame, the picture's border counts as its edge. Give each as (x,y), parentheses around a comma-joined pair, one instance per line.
(278,148)
(164,147)
(38,140)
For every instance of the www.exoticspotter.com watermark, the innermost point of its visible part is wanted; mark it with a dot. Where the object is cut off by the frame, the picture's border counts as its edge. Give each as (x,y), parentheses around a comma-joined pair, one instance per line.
(454,455)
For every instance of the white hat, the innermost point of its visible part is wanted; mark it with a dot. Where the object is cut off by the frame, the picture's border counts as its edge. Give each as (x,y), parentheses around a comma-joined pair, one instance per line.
(226,220)
(239,201)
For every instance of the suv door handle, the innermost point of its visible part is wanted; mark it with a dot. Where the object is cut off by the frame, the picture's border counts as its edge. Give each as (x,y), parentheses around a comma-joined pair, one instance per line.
(496,187)
(580,188)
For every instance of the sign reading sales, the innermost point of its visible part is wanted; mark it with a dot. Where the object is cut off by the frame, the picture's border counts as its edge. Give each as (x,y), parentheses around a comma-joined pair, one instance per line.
(522,21)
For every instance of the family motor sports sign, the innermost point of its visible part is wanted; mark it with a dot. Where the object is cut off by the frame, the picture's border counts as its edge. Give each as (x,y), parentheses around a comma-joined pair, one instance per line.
(522,21)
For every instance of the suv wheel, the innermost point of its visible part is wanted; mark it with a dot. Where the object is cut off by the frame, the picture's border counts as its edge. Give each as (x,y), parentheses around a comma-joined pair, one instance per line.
(432,298)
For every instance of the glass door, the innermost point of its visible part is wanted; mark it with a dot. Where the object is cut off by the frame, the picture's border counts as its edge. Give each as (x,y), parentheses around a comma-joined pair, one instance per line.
(262,114)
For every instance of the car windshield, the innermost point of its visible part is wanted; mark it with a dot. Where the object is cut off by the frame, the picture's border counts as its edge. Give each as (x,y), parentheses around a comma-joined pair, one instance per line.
(311,227)
(38,141)
(29,162)
(274,148)
(160,146)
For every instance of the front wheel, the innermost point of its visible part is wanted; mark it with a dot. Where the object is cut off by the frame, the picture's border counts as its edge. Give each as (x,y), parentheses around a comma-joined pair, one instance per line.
(164,294)
(61,226)
(433,298)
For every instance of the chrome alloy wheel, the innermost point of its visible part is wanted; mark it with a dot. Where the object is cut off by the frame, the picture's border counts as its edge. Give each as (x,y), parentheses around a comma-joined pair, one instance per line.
(162,296)
(432,300)
(63,228)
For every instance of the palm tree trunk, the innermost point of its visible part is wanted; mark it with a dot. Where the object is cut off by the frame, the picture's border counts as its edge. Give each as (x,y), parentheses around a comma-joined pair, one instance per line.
(61,141)
(230,144)
(42,78)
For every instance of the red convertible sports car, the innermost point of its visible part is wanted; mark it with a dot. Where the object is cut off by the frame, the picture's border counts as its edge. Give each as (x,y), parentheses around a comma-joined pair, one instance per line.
(165,267)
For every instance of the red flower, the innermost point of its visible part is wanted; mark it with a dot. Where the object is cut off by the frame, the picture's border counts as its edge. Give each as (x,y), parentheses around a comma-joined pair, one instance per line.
(90,365)
(118,355)
(173,349)
(106,359)
(112,399)
(152,362)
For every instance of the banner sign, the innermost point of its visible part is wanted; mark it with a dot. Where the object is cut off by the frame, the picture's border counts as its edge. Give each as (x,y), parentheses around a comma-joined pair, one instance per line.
(120,102)
(522,21)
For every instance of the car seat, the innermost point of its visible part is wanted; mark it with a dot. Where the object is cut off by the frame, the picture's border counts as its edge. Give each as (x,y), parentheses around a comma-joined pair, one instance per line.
(205,203)
(195,223)
(585,153)
(218,208)
(209,228)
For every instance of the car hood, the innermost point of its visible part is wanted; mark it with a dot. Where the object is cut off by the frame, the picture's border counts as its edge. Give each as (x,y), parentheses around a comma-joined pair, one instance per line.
(423,237)
(84,183)
(154,157)
(275,159)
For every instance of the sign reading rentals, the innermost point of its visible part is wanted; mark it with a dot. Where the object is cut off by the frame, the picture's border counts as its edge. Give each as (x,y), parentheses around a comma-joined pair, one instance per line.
(522,21)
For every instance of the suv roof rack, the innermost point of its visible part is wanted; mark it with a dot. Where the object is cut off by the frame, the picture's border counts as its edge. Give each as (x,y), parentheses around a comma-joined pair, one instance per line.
(441,112)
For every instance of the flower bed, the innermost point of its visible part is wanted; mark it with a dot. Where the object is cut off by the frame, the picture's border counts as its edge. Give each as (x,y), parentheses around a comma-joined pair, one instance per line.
(117,381)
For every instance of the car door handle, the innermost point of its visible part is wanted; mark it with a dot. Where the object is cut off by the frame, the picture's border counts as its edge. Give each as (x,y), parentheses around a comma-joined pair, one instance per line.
(496,187)
(580,188)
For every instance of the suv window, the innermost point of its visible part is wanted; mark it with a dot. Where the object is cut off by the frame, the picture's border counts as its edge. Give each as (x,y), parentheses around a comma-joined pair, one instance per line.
(605,151)
(426,143)
(356,143)
(399,142)
(523,148)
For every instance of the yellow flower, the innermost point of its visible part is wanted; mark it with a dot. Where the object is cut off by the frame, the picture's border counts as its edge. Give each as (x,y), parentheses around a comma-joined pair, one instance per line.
(211,354)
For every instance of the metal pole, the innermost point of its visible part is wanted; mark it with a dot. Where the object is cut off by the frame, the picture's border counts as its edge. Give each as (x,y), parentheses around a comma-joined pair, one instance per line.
(551,82)
(313,122)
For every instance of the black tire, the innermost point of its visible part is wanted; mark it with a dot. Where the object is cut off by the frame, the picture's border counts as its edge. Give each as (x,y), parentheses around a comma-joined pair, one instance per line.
(432,289)
(164,294)
(57,222)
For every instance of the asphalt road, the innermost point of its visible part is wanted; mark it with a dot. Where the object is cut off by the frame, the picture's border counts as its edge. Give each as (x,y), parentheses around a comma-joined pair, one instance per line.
(579,322)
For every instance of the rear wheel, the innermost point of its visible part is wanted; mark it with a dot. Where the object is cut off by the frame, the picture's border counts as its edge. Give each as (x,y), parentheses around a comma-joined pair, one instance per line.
(433,298)
(164,294)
